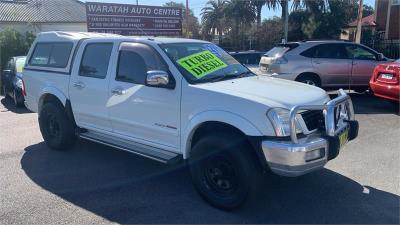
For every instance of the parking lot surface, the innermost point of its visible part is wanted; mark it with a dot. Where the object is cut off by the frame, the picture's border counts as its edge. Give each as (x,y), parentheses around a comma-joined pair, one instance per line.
(95,184)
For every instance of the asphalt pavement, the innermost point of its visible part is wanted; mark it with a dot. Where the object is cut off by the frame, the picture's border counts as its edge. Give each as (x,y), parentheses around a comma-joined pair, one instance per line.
(95,184)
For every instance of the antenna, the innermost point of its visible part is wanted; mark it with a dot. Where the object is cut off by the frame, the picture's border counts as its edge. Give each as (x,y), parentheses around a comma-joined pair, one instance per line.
(141,30)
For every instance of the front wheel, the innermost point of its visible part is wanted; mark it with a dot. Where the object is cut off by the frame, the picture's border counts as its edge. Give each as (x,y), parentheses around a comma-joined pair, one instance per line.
(223,173)
(57,130)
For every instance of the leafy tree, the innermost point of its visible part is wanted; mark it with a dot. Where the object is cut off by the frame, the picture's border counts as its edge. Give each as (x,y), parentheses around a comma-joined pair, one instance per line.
(13,43)
(190,25)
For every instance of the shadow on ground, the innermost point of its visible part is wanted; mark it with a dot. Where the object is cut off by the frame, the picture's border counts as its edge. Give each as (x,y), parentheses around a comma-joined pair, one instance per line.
(125,188)
(365,103)
(9,106)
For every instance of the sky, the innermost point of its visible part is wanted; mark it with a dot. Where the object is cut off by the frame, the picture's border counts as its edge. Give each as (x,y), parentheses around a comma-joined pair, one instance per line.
(197,5)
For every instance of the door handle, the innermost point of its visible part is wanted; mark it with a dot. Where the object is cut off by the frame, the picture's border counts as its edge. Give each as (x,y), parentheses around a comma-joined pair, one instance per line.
(317,62)
(118,91)
(79,85)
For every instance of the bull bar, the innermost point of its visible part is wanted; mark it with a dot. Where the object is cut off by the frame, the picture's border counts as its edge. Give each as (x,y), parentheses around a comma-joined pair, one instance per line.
(298,156)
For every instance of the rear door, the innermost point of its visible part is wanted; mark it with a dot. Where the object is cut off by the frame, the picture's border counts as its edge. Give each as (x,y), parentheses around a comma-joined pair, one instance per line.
(88,88)
(364,62)
(331,62)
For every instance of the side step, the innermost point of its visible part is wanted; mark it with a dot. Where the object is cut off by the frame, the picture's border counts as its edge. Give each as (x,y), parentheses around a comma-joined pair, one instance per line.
(150,152)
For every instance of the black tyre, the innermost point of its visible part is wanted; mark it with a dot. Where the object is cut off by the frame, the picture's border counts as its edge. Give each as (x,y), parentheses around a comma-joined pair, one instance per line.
(310,80)
(57,130)
(223,172)
(17,99)
(4,91)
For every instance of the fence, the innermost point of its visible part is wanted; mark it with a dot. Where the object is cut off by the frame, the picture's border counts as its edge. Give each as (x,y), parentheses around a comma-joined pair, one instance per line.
(389,48)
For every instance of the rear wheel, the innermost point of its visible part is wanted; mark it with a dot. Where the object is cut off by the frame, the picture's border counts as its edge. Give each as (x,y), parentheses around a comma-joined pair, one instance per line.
(57,130)
(222,172)
(309,79)
(3,89)
(16,99)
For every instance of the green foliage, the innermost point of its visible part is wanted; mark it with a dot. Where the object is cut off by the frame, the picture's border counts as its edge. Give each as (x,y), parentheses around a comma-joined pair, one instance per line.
(13,43)
(190,24)
(317,21)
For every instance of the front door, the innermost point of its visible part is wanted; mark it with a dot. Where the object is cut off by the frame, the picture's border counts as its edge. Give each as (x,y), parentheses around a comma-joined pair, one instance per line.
(364,62)
(332,63)
(144,114)
(89,85)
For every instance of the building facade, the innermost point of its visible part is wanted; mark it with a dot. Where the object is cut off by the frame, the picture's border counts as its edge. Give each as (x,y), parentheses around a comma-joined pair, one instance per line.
(43,15)
(387,18)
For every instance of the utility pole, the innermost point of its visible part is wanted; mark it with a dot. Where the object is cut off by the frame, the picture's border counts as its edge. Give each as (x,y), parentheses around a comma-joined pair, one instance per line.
(187,18)
(286,26)
(137,2)
(359,21)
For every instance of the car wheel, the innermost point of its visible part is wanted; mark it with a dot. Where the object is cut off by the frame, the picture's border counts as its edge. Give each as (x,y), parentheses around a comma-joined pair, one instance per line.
(5,92)
(16,101)
(223,173)
(310,80)
(57,130)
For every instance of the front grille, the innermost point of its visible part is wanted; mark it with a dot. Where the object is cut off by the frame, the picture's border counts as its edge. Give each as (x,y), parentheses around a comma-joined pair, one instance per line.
(314,119)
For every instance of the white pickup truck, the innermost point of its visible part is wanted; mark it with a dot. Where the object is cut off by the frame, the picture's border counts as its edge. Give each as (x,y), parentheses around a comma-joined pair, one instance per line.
(172,99)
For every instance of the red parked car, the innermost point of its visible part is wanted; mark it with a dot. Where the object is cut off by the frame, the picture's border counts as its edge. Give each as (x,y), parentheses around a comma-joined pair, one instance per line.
(385,81)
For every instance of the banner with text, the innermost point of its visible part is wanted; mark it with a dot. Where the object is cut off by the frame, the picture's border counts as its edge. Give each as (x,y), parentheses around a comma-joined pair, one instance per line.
(127,19)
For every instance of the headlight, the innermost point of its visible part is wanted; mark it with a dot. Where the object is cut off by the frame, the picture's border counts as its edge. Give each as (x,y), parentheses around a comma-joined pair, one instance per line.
(18,82)
(279,118)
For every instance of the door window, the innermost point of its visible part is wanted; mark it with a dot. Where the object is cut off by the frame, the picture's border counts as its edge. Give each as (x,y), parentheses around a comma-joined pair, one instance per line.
(54,55)
(135,60)
(360,53)
(330,51)
(95,60)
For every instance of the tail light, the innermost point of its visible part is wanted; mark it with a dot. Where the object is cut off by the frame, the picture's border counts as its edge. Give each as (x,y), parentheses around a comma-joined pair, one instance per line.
(23,88)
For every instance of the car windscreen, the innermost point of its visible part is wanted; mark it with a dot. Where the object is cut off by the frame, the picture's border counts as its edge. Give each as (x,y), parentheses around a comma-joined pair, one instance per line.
(19,64)
(203,62)
(281,49)
(277,51)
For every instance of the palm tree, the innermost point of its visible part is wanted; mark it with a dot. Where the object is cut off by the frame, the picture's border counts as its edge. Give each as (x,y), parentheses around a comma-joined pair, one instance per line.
(213,16)
(258,5)
(242,13)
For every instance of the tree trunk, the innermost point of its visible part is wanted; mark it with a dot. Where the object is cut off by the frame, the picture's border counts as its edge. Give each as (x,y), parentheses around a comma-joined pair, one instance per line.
(285,14)
(359,22)
(259,8)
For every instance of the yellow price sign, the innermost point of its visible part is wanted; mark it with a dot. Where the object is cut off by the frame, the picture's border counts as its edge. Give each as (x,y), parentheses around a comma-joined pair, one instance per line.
(201,64)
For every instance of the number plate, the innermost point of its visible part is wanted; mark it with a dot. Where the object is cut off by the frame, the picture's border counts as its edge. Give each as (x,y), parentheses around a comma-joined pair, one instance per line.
(386,76)
(344,138)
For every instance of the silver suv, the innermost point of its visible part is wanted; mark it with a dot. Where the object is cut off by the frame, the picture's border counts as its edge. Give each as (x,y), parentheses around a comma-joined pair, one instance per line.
(322,63)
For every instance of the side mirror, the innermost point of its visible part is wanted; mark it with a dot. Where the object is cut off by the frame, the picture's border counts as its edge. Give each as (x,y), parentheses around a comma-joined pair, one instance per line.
(160,79)
(381,57)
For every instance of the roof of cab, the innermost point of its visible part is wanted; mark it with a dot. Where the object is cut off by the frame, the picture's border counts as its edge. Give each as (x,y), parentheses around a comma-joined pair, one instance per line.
(65,36)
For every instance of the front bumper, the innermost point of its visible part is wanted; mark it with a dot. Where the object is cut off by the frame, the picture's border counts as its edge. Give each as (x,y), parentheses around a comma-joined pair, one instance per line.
(299,156)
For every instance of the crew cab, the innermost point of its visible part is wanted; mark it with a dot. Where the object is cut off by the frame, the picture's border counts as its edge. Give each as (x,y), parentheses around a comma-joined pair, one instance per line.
(172,99)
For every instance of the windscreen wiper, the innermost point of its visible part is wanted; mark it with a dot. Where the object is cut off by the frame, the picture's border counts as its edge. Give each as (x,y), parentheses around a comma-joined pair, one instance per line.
(231,76)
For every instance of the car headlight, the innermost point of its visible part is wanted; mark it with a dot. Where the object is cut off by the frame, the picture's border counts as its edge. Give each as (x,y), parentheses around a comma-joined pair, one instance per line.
(18,82)
(279,118)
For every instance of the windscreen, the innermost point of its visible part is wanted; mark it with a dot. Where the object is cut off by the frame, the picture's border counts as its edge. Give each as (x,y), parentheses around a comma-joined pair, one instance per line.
(276,51)
(203,62)
(19,64)
(281,49)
